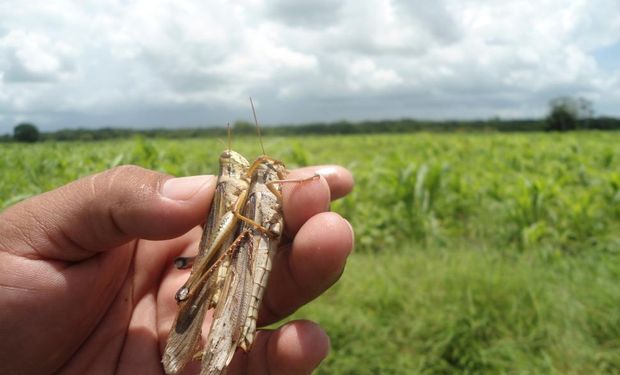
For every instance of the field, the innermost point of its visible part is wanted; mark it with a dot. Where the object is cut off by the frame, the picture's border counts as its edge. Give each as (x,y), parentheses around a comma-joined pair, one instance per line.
(475,252)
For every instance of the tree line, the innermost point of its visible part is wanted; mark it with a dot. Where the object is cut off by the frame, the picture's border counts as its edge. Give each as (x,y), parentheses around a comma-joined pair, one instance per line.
(565,113)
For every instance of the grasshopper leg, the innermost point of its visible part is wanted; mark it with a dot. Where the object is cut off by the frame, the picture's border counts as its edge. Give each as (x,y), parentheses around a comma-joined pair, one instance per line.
(276,192)
(252,223)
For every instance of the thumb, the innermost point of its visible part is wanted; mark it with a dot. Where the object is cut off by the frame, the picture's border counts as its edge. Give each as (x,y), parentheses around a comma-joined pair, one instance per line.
(105,210)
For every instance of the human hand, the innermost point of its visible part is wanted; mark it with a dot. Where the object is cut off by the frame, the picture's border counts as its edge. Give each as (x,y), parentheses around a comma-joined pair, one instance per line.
(87,280)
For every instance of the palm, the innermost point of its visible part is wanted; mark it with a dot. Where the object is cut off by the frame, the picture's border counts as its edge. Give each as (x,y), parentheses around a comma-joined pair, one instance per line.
(80,293)
(135,326)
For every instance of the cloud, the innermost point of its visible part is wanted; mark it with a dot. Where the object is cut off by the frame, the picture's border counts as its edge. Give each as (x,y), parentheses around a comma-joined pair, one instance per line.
(305,13)
(30,57)
(156,63)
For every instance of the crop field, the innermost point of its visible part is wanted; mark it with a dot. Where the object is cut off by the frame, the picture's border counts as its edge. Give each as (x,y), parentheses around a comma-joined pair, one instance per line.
(476,253)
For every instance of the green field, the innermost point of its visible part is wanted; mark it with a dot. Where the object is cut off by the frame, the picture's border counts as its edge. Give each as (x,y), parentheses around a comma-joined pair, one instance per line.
(475,252)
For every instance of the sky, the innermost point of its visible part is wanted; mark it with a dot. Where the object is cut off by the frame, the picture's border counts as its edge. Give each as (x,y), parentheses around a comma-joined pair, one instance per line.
(93,63)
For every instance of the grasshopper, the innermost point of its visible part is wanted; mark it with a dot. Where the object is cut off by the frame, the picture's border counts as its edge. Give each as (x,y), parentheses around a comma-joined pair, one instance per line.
(234,319)
(195,296)
(231,270)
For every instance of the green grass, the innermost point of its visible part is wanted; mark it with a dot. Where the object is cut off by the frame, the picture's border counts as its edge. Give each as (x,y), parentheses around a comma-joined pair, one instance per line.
(468,311)
(476,253)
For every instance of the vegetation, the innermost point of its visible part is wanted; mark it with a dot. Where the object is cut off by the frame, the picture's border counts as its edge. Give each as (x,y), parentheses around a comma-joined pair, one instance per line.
(559,118)
(568,113)
(479,252)
(26,132)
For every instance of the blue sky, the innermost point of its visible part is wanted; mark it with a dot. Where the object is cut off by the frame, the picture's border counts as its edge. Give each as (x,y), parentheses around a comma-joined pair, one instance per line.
(608,58)
(67,64)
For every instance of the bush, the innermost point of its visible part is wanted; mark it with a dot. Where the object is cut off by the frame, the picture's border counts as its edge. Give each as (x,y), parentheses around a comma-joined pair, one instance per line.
(26,133)
(568,113)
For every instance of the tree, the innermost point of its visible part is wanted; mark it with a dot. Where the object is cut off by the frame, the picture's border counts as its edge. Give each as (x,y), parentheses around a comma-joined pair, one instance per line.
(243,127)
(26,132)
(568,113)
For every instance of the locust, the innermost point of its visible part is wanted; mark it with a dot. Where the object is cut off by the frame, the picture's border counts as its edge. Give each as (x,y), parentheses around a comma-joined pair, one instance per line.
(200,292)
(234,319)
(240,239)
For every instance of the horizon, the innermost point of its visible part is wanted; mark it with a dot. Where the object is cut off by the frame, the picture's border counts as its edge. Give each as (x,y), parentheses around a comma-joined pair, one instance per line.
(421,121)
(157,64)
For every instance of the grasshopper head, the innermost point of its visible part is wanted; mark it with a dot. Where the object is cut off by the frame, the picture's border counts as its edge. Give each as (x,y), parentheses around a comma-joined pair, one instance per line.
(269,170)
(233,163)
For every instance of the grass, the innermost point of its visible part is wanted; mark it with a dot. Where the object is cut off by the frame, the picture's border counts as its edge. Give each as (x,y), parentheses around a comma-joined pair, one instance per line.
(476,253)
(471,311)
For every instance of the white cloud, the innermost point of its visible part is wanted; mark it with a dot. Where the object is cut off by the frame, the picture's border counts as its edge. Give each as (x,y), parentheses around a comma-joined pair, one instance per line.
(365,75)
(29,57)
(95,63)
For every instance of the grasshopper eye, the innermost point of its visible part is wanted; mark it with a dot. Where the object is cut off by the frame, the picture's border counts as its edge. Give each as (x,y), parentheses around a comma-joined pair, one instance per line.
(272,167)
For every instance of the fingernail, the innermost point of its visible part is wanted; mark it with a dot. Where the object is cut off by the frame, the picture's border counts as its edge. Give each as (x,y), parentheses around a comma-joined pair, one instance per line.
(352,233)
(184,188)
(326,171)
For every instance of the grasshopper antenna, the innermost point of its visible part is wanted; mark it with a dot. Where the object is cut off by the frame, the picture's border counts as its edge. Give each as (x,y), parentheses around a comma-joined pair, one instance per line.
(227,146)
(260,139)
(229,135)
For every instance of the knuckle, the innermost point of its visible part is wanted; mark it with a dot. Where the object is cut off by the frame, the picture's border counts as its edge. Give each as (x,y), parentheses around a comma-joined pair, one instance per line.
(125,171)
(125,176)
(121,183)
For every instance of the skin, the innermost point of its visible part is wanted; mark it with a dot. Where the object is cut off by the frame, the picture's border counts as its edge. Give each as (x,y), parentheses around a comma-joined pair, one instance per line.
(87,282)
